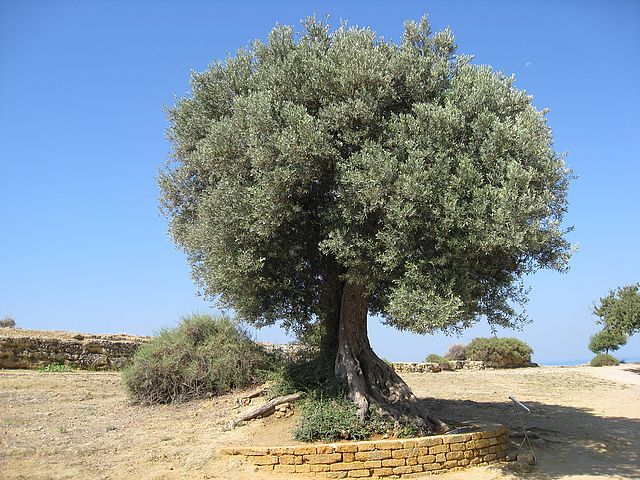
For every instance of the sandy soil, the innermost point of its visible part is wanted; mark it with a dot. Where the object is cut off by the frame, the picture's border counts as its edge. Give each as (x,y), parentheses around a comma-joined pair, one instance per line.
(586,423)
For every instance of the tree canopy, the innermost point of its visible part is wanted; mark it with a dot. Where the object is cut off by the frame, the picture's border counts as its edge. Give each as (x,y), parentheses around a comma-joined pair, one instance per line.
(619,311)
(607,339)
(324,154)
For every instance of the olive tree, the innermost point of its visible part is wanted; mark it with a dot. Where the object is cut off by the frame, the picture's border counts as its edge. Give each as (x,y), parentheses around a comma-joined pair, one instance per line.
(326,175)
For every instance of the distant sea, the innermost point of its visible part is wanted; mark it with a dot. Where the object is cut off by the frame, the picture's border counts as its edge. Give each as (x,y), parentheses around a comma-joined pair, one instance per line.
(572,363)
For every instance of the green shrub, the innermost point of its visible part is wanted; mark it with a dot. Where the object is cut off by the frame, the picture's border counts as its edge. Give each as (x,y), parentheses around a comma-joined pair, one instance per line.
(457,351)
(203,356)
(331,419)
(57,368)
(502,352)
(604,360)
(434,358)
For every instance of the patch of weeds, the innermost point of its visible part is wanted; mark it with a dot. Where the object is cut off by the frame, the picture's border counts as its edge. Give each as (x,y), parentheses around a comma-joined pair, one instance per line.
(334,418)
(57,368)
(63,430)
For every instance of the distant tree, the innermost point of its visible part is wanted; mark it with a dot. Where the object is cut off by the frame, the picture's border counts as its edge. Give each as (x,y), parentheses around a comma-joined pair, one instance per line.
(620,310)
(326,175)
(7,322)
(606,340)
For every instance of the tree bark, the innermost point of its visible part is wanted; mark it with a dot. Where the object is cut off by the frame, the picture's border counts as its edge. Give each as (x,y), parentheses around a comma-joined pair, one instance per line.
(330,313)
(371,382)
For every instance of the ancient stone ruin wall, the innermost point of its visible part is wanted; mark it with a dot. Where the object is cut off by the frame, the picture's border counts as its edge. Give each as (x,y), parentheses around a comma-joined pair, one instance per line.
(404,458)
(33,349)
(427,367)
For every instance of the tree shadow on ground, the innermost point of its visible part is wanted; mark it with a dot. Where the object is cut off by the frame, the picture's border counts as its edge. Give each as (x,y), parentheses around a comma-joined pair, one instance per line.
(566,440)
(633,369)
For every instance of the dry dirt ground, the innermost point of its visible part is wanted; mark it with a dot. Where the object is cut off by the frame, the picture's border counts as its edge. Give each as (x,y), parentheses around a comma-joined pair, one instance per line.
(81,426)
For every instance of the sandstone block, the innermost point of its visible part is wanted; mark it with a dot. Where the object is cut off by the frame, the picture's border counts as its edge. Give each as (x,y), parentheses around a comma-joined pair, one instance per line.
(291,459)
(263,459)
(382,472)
(323,458)
(282,450)
(457,447)
(346,447)
(402,470)
(455,456)
(341,466)
(441,457)
(359,473)
(336,475)
(373,464)
(366,446)
(462,437)
(348,457)
(304,468)
(429,441)
(388,445)
(393,462)
(373,455)
(284,468)
(305,450)
(426,459)
(325,448)
(439,449)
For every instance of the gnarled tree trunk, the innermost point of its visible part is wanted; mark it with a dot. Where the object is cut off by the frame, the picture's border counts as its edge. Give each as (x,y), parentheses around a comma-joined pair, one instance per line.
(371,382)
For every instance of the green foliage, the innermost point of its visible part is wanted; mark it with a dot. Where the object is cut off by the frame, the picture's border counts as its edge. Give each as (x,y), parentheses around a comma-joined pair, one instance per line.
(57,368)
(311,375)
(604,360)
(606,340)
(620,310)
(500,351)
(404,168)
(203,356)
(457,351)
(435,358)
(334,418)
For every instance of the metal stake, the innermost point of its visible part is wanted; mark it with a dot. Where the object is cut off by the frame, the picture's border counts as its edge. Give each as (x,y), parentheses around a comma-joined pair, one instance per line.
(519,406)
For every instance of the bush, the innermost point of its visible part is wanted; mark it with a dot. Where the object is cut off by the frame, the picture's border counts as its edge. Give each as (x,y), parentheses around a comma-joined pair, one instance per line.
(7,322)
(434,358)
(331,419)
(500,352)
(604,360)
(457,351)
(203,356)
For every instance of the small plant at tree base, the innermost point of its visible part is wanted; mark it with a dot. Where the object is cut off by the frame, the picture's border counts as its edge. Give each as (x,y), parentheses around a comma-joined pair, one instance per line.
(331,419)
(606,340)
(502,352)
(203,356)
(604,360)
(457,351)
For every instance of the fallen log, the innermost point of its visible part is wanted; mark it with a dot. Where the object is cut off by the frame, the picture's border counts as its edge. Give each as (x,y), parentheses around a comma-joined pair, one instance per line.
(266,409)
(246,399)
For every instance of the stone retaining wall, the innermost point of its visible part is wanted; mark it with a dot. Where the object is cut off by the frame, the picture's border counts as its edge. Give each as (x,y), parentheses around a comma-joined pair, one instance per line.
(33,349)
(428,367)
(401,458)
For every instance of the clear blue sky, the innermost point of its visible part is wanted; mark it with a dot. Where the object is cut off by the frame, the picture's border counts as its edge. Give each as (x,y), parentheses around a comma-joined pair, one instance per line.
(83,84)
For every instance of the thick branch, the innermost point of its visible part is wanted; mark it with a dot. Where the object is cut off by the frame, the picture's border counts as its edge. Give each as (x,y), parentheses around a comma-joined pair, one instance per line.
(266,409)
